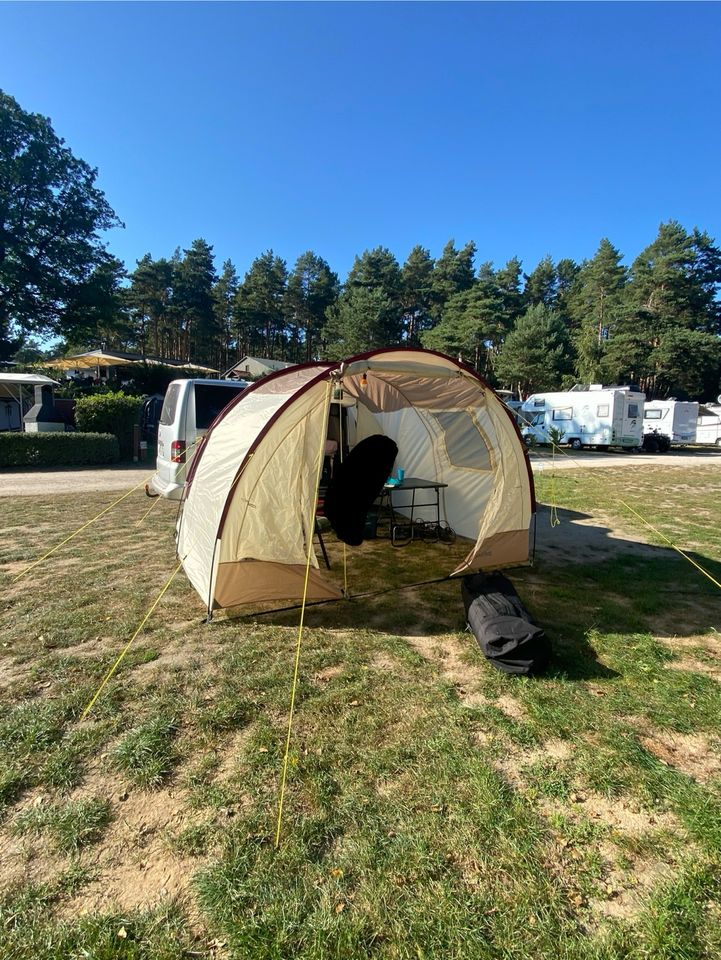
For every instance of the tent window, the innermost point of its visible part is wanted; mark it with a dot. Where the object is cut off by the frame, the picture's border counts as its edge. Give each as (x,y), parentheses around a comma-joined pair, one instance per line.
(465,444)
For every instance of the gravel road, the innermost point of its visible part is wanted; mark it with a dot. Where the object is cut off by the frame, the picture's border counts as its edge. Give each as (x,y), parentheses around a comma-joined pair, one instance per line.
(33,483)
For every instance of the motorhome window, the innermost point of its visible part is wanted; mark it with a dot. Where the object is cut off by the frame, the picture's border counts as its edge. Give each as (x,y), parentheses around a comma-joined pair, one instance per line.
(602,410)
(652,415)
(632,410)
(563,413)
(167,414)
(465,444)
(539,403)
(538,420)
(210,399)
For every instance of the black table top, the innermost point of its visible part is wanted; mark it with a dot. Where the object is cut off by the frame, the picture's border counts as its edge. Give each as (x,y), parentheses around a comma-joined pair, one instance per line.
(415,483)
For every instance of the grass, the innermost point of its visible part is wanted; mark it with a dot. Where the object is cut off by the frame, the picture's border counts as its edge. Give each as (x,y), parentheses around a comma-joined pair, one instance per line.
(435,808)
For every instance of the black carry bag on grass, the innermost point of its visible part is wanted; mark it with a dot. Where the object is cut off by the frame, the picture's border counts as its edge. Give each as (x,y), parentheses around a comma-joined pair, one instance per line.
(502,626)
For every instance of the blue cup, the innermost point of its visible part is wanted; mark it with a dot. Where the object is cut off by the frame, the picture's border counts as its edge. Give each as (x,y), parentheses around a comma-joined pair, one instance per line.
(400,474)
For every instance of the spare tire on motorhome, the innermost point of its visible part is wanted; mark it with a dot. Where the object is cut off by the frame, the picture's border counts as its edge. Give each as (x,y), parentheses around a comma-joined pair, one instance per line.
(502,626)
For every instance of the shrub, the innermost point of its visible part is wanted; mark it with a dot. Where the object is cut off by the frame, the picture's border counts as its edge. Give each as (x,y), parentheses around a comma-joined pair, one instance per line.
(114,413)
(57,449)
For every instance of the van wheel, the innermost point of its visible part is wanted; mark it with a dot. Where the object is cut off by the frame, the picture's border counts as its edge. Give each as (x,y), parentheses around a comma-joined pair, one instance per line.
(575,444)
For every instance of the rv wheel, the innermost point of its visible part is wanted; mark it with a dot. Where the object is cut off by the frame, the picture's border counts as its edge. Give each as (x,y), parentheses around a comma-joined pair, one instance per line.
(650,445)
(576,444)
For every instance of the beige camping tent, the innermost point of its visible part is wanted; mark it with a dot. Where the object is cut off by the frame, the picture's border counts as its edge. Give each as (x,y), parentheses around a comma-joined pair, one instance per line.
(250,498)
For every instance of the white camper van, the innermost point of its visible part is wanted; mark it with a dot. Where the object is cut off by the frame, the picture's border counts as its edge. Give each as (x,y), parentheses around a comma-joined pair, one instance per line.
(189,408)
(708,425)
(586,417)
(673,419)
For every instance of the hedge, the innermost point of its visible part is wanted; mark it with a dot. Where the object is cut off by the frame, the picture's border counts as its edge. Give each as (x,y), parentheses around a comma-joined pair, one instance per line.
(57,449)
(114,413)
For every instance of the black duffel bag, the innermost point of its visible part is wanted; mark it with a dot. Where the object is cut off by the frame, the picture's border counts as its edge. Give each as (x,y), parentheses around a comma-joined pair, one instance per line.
(502,626)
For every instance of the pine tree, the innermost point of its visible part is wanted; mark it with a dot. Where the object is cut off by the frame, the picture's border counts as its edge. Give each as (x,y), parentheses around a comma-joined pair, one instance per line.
(224,293)
(453,273)
(596,306)
(358,322)
(193,301)
(259,310)
(671,298)
(312,289)
(536,353)
(416,294)
(542,284)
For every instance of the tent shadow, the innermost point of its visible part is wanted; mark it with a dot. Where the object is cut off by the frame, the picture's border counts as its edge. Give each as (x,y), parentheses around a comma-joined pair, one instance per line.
(587,579)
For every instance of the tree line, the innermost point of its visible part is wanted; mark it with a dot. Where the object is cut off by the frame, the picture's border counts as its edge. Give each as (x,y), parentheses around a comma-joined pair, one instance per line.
(656,323)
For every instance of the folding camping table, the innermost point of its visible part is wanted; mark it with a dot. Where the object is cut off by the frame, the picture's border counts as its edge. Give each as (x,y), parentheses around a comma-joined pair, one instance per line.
(399,521)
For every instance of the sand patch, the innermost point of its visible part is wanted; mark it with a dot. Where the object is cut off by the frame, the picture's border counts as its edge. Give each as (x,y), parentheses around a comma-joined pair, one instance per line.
(691,753)
(446,653)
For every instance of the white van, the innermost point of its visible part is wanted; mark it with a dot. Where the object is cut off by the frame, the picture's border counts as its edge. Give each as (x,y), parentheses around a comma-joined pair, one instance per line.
(189,408)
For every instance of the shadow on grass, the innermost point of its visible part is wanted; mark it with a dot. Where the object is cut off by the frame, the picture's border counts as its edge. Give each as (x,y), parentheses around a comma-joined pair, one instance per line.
(586,578)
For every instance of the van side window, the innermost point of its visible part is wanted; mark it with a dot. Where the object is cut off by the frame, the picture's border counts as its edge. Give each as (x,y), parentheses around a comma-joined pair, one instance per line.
(167,414)
(563,413)
(602,410)
(632,410)
(210,399)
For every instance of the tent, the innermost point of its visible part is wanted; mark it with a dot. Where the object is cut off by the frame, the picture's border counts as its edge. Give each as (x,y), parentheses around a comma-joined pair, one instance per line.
(250,498)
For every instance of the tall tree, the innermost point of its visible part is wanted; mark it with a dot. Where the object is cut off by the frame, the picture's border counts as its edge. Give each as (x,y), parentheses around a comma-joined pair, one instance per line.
(224,293)
(358,322)
(596,306)
(149,297)
(542,284)
(193,284)
(312,289)
(51,214)
(453,273)
(673,289)
(260,306)
(97,312)
(416,294)
(536,353)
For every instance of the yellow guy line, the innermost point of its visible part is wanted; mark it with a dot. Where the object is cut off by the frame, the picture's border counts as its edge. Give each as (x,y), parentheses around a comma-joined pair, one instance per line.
(79,530)
(128,645)
(152,506)
(651,527)
(672,544)
(311,527)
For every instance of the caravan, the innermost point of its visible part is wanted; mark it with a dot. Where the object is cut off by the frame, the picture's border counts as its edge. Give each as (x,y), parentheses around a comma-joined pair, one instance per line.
(673,419)
(592,416)
(708,425)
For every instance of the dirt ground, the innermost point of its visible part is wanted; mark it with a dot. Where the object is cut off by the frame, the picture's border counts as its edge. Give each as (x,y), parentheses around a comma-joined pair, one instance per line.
(34,483)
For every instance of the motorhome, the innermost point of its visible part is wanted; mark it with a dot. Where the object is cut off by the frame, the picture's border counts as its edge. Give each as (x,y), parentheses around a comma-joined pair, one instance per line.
(708,425)
(585,416)
(189,408)
(673,419)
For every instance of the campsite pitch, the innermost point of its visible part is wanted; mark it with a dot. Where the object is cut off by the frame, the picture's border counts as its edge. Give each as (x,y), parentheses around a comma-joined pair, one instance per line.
(435,807)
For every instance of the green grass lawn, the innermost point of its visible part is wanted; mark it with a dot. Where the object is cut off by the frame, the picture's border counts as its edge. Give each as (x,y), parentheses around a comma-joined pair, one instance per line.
(435,808)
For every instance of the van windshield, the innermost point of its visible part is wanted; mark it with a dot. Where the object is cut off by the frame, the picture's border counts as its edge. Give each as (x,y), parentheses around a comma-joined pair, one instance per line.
(210,398)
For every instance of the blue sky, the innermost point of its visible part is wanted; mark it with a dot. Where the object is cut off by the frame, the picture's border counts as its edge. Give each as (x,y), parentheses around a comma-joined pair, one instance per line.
(528,128)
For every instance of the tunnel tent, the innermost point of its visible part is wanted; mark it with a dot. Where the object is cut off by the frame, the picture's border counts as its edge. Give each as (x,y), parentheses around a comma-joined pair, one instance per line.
(250,498)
